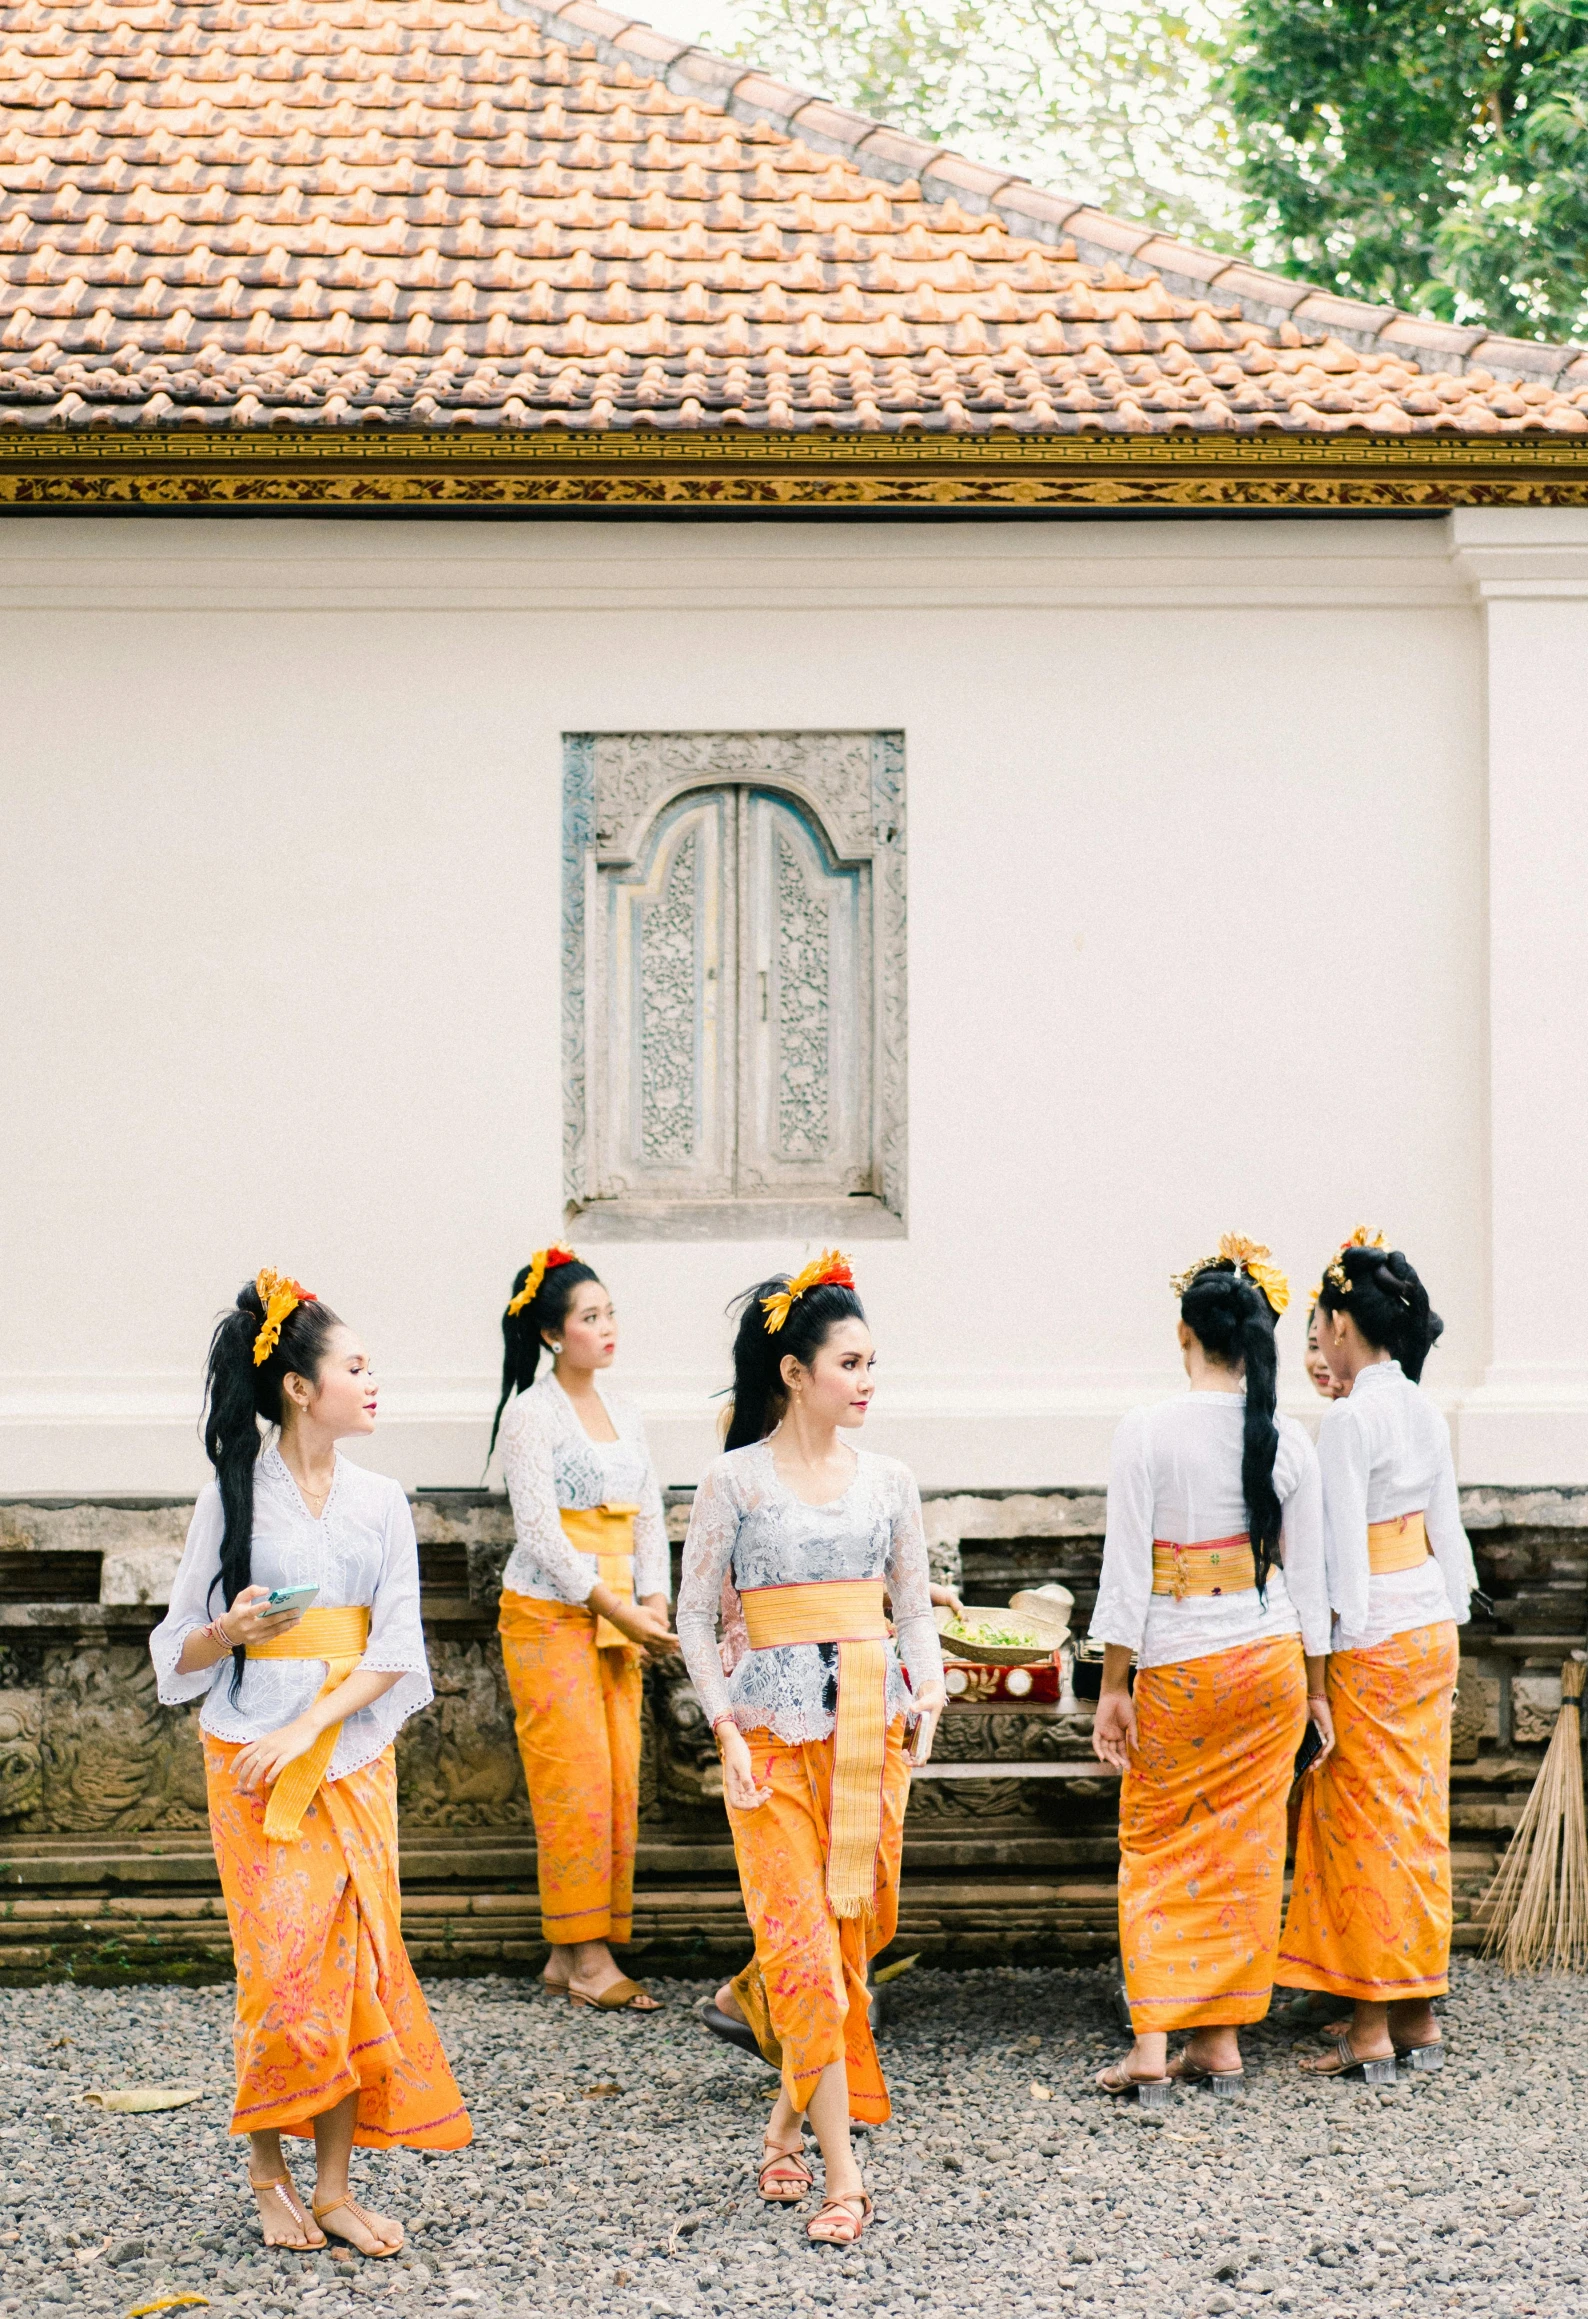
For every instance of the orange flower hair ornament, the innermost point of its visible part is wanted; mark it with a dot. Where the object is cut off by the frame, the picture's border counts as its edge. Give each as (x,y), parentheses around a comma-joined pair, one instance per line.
(280,1296)
(829,1270)
(1359,1239)
(543,1261)
(1241,1255)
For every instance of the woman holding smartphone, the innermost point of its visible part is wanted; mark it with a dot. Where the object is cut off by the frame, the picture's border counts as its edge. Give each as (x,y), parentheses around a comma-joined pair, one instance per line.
(295,1617)
(811,1531)
(584,1602)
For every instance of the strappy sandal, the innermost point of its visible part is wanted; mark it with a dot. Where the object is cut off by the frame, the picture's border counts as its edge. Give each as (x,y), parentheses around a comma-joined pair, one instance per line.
(844,2226)
(1340,2058)
(623,1997)
(348,2204)
(787,2174)
(1152,2093)
(287,2191)
(1226,2083)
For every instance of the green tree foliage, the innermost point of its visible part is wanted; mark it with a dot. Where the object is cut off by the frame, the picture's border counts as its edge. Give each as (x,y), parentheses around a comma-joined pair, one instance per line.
(1108,102)
(1426,153)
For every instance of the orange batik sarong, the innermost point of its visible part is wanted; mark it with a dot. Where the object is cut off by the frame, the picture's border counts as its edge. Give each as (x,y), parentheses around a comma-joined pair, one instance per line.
(806,1992)
(576,1708)
(327,2002)
(1202,1834)
(1370,1900)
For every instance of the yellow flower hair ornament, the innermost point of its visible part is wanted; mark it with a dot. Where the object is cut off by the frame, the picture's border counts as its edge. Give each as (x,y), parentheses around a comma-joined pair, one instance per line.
(280,1297)
(1242,1255)
(543,1261)
(1359,1239)
(829,1270)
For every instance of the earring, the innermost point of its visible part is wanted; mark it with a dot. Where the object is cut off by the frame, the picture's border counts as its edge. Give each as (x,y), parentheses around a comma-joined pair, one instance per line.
(557,1347)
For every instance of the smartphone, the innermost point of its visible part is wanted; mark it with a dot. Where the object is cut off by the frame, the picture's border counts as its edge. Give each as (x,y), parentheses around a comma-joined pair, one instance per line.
(1310,1749)
(283,1598)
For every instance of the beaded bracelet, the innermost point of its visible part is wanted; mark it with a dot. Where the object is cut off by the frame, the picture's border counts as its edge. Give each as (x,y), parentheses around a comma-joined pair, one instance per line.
(215,1632)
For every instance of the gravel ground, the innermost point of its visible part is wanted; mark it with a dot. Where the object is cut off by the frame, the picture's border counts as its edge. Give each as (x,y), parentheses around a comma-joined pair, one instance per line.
(611,2169)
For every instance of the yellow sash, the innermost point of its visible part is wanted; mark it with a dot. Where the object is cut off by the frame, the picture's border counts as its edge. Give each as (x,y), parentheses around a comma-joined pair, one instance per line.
(339,1638)
(848,1612)
(607,1532)
(1399,1544)
(1220,1566)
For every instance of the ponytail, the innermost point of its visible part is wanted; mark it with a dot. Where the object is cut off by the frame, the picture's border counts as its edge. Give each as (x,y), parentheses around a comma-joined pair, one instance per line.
(522,1331)
(1233,1321)
(759,1394)
(238,1393)
(1387,1301)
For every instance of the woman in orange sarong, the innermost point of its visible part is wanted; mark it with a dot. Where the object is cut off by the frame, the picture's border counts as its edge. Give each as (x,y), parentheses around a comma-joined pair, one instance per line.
(1370,1908)
(332,2037)
(1213,1579)
(812,1721)
(584,1600)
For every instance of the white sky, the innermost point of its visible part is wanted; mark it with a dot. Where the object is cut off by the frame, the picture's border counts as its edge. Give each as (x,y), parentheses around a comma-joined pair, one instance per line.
(708,21)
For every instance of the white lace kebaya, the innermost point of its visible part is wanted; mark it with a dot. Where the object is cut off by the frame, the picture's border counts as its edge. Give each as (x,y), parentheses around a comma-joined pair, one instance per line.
(1176,1475)
(361,1550)
(1385,1450)
(748,1526)
(549,1461)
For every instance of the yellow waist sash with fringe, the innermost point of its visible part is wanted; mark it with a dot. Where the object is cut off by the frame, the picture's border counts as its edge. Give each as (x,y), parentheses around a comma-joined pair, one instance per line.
(848,1612)
(339,1638)
(1398,1544)
(607,1532)
(1218,1566)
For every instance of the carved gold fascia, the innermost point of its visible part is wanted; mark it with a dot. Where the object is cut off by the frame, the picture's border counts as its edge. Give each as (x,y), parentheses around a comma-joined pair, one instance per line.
(719,468)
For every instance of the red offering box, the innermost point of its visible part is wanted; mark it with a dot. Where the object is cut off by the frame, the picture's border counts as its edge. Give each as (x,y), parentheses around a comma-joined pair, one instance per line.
(972,1684)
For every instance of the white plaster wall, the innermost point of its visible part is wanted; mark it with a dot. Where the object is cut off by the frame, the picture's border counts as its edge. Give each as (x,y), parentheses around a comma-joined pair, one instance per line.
(281,901)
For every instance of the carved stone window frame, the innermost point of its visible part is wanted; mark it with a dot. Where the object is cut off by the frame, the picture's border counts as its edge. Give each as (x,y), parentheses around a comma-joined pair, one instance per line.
(614,786)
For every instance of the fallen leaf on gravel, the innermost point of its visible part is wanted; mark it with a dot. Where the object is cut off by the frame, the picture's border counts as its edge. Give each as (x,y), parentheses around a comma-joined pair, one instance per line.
(1041,2093)
(596,2093)
(891,1972)
(133,2100)
(168,2303)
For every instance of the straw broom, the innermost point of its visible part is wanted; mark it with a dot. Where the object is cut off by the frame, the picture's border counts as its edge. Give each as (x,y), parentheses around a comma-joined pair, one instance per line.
(1538,1903)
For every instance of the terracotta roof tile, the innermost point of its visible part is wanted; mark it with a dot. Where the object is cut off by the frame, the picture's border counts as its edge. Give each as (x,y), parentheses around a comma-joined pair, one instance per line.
(456,213)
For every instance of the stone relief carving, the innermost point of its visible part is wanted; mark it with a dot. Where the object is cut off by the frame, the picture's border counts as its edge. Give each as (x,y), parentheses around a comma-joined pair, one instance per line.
(804,969)
(21,1753)
(457,1765)
(615,784)
(669,1049)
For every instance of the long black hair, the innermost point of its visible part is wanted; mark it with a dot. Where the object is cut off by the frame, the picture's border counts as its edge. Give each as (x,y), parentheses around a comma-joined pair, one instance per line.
(1387,1301)
(1233,1321)
(522,1340)
(759,1394)
(238,1393)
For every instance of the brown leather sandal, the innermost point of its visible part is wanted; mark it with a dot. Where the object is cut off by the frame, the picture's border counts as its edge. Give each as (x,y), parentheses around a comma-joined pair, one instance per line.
(286,2191)
(787,2174)
(844,2226)
(623,1997)
(348,2204)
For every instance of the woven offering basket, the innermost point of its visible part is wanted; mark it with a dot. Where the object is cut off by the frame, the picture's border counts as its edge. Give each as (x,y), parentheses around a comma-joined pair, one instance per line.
(1046,1629)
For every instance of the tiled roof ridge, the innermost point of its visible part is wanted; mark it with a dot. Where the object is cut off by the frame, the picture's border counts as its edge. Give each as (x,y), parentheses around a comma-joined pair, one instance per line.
(1040,213)
(377,217)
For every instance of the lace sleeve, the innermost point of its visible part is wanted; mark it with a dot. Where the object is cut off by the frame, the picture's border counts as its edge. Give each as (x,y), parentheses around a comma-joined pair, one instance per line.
(1302,1537)
(1344,1461)
(529,1469)
(910,1587)
(191,1605)
(708,1550)
(1125,1590)
(653,1564)
(396,1643)
(1446,1534)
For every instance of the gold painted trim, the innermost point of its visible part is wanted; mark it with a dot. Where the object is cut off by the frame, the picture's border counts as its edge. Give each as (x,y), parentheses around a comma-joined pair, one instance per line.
(289,466)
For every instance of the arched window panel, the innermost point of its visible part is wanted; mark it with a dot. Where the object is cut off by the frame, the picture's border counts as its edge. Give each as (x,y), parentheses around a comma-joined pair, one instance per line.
(805,1010)
(667,1122)
(733,954)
